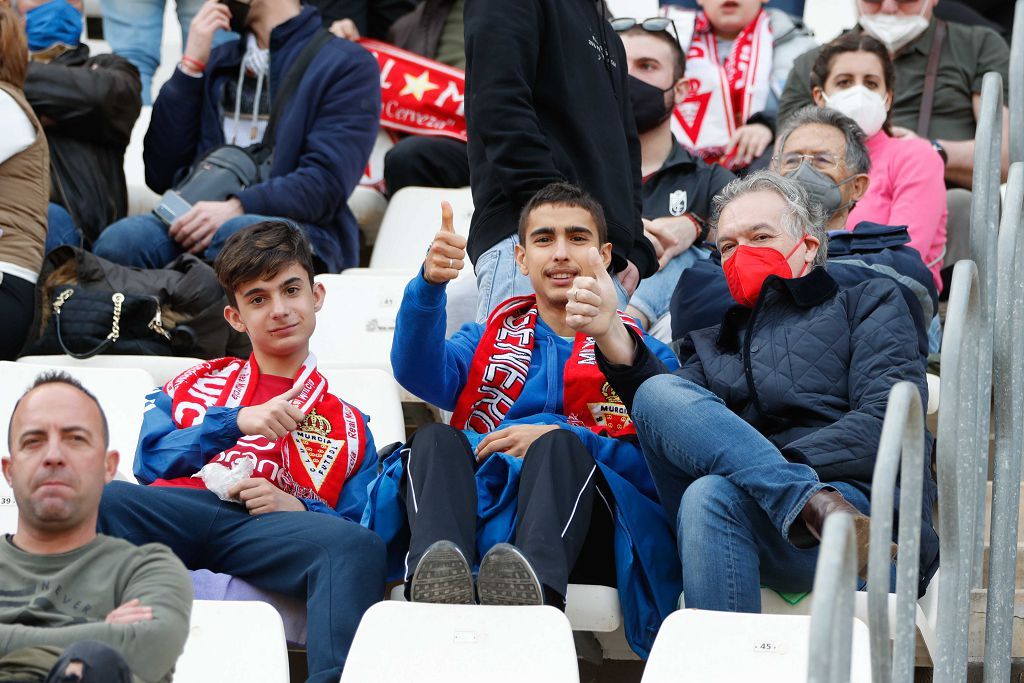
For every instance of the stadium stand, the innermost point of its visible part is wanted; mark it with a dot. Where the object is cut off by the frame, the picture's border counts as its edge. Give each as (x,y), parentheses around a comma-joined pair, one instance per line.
(256,650)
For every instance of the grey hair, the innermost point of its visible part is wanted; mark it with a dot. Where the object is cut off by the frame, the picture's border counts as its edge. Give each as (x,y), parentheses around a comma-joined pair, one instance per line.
(857,158)
(803,216)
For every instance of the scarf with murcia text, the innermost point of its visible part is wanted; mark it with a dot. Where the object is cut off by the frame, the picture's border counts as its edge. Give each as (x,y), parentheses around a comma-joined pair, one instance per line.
(498,372)
(312,461)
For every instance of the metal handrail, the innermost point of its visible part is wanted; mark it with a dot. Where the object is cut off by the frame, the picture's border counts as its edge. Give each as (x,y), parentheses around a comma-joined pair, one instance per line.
(958,450)
(1009,407)
(900,450)
(984,234)
(835,583)
(1017,85)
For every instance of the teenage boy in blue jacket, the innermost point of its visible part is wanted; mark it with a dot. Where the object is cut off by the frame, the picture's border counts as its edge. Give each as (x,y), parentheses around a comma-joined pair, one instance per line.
(540,465)
(303,457)
(223,96)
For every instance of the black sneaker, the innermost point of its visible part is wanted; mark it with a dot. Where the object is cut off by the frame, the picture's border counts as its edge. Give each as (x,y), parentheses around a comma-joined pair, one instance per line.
(506,578)
(442,576)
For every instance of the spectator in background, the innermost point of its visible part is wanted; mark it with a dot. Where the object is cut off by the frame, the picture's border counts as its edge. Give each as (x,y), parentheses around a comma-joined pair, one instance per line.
(282,523)
(737,63)
(547,100)
(677,186)
(24,189)
(793,7)
(910,32)
(773,422)
(435,30)
(854,76)
(995,14)
(79,606)
(88,107)
(350,19)
(323,139)
(134,29)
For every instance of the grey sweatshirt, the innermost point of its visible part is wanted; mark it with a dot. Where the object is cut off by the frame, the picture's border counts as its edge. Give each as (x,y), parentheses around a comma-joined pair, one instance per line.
(60,599)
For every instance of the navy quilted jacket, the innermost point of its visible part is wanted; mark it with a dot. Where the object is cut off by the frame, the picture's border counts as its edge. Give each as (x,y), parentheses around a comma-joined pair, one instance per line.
(810,367)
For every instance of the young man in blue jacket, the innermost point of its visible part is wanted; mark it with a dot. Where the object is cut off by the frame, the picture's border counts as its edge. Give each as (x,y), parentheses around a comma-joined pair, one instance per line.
(540,465)
(224,96)
(271,425)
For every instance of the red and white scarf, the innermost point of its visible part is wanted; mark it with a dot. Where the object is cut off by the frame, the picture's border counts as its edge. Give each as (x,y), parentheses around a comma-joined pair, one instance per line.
(498,372)
(722,97)
(313,461)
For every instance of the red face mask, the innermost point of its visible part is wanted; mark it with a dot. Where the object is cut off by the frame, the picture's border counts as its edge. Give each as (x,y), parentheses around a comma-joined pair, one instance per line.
(748,267)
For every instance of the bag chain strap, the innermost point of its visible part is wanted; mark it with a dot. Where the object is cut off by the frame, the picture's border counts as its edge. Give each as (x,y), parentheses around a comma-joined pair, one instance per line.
(115,325)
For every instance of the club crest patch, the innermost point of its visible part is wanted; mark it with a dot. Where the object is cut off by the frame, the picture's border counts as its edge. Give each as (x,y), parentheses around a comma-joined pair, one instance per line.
(316,450)
(677,202)
(610,413)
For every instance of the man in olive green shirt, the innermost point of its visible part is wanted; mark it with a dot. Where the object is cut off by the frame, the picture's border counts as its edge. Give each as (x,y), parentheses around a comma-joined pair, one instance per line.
(74,602)
(968,53)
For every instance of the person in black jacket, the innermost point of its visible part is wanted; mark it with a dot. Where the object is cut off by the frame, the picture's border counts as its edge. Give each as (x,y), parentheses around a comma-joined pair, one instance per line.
(547,100)
(88,107)
(773,421)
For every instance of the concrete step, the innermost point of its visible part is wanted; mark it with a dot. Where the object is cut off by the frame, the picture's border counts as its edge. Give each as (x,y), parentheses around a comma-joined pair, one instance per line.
(1019,581)
(976,634)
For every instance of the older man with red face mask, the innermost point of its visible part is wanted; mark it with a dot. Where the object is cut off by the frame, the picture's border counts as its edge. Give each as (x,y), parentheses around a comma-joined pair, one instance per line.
(773,422)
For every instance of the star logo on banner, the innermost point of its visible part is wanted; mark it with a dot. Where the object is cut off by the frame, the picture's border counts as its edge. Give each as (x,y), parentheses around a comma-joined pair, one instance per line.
(418,86)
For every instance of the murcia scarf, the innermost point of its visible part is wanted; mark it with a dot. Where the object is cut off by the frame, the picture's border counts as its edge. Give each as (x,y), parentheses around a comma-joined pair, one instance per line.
(723,97)
(313,461)
(502,360)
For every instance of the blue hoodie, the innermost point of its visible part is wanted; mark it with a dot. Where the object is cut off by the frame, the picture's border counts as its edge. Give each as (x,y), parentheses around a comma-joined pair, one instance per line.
(324,137)
(436,370)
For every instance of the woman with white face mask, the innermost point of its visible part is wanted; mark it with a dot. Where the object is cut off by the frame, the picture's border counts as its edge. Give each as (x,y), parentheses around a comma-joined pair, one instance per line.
(854,75)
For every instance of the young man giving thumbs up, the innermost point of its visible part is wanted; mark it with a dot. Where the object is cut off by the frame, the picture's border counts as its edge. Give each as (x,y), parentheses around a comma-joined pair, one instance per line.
(299,458)
(538,480)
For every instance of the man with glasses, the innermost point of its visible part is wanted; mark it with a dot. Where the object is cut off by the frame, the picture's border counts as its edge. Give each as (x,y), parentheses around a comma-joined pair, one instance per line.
(548,101)
(677,185)
(943,109)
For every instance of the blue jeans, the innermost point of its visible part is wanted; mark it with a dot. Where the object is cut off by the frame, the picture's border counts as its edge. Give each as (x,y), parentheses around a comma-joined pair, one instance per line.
(732,493)
(142,241)
(334,565)
(134,29)
(498,279)
(60,228)
(653,296)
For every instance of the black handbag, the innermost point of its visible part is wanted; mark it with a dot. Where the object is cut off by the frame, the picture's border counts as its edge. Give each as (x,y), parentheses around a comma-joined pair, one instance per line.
(227,170)
(95,322)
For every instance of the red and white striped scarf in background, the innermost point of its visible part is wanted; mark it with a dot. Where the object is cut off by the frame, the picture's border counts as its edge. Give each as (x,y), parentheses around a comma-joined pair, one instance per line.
(312,461)
(501,363)
(723,96)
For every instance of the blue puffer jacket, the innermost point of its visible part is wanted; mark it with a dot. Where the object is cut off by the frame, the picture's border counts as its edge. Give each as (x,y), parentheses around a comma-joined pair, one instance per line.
(810,367)
(646,562)
(324,137)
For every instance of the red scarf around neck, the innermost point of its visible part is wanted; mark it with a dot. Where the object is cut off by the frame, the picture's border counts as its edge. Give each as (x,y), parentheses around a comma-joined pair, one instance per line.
(498,372)
(313,461)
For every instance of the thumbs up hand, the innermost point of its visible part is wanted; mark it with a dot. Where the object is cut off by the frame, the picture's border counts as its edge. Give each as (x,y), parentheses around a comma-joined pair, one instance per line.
(591,309)
(447,253)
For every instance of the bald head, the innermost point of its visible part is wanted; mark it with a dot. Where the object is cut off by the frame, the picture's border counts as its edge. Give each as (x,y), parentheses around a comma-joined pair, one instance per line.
(56,377)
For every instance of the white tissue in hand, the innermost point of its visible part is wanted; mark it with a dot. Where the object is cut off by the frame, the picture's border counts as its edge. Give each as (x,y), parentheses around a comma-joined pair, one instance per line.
(219,478)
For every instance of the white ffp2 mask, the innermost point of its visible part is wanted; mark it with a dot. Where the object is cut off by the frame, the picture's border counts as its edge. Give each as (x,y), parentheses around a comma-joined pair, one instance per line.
(895,30)
(860,104)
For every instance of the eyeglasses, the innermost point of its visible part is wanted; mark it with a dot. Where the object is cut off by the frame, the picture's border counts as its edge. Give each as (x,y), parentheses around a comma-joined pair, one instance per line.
(652,25)
(823,161)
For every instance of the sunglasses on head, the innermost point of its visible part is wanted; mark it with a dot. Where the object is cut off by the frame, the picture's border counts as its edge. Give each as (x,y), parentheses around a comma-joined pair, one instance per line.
(652,25)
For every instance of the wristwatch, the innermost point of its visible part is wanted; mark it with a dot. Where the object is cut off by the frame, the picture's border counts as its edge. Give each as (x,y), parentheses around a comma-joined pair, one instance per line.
(937,146)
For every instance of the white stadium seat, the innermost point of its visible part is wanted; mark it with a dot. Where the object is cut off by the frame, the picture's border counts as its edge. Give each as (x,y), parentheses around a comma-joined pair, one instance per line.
(376,394)
(411,221)
(400,641)
(355,326)
(121,392)
(255,651)
(161,368)
(700,645)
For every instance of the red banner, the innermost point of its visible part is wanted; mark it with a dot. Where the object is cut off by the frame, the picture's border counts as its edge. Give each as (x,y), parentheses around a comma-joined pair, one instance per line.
(419,96)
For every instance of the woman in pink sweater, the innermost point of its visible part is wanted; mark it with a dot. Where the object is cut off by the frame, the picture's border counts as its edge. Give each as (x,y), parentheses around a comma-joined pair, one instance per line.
(854,75)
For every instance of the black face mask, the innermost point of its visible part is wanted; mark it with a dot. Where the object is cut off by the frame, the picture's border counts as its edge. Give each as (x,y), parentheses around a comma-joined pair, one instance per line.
(649,106)
(239,14)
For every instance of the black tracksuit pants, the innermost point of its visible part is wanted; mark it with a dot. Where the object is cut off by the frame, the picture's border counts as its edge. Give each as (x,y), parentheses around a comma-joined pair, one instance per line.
(563,510)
